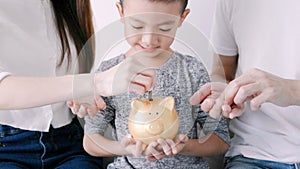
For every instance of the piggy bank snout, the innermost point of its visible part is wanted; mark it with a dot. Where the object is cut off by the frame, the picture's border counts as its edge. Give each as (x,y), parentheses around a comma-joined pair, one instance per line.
(155,128)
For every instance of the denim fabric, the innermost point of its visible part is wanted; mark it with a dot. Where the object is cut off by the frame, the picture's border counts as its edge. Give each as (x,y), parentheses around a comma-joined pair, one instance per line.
(241,162)
(59,148)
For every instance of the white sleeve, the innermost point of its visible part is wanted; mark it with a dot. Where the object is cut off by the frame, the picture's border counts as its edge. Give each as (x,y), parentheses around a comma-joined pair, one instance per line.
(3,74)
(222,35)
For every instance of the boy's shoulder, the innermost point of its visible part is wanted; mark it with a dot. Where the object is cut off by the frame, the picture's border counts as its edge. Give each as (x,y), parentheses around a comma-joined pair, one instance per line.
(193,65)
(107,64)
(188,59)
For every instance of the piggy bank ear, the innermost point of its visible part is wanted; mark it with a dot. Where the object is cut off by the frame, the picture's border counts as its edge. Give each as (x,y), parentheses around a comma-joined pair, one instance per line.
(140,105)
(168,103)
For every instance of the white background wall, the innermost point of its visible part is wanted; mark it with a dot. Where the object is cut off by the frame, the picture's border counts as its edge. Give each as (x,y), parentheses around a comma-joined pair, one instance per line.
(201,15)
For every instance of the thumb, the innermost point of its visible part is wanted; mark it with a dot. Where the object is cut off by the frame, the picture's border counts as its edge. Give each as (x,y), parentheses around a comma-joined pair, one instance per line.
(70,104)
(201,94)
(100,102)
(181,138)
(127,140)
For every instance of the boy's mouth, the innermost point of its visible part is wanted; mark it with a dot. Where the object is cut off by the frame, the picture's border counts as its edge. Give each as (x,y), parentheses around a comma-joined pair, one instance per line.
(148,49)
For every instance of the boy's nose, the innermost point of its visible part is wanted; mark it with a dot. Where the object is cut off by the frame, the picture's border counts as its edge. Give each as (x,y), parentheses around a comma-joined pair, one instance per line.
(150,39)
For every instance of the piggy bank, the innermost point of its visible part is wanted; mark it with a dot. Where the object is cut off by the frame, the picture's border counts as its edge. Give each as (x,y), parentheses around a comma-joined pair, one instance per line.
(150,120)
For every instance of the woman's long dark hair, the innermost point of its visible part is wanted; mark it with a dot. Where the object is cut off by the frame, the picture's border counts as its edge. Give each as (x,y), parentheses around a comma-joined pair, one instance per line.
(74,21)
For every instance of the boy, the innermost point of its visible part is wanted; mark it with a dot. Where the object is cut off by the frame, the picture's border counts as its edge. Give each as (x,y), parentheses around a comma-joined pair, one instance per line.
(150,27)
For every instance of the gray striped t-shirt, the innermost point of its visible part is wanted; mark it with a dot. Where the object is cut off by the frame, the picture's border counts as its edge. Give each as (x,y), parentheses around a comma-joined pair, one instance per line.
(179,77)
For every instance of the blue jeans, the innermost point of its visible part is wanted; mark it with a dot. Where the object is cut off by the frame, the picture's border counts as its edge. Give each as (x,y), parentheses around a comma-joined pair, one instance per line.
(241,162)
(59,148)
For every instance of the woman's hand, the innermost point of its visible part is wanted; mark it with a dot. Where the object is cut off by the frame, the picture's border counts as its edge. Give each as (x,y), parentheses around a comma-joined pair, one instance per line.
(129,75)
(87,106)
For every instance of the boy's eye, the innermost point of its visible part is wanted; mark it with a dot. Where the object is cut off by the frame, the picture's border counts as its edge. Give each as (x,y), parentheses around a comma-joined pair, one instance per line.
(137,27)
(165,30)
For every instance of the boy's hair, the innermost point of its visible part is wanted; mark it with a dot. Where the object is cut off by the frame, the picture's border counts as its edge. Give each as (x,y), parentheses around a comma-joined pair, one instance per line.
(183,2)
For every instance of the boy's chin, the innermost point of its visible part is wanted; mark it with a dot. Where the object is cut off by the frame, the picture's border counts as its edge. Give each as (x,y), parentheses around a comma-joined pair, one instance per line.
(147,50)
(151,54)
(138,52)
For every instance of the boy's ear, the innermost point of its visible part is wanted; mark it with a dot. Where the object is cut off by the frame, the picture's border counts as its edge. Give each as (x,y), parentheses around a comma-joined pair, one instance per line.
(168,103)
(183,16)
(120,10)
(140,105)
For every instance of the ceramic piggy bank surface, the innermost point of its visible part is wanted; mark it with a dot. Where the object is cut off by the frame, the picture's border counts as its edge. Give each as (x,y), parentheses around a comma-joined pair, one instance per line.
(150,120)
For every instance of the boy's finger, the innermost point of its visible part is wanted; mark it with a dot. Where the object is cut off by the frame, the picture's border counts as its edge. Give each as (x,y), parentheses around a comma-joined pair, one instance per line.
(139,149)
(166,147)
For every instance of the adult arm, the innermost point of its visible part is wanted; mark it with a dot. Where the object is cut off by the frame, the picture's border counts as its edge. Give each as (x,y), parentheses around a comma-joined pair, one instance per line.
(210,95)
(260,87)
(211,146)
(98,145)
(26,92)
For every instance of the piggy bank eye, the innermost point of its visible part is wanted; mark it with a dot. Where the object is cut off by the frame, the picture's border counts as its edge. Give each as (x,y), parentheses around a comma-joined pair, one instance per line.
(150,113)
(156,113)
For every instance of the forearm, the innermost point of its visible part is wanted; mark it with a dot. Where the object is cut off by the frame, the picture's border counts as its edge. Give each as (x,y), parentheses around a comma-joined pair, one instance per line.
(224,68)
(210,147)
(98,145)
(26,92)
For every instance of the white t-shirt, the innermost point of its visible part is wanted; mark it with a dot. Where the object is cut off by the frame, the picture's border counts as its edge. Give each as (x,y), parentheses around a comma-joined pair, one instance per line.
(266,35)
(30,46)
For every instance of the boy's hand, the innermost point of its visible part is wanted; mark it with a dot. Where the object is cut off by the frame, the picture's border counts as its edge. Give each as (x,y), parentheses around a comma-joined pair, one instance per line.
(131,146)
(87,106)
(165,147)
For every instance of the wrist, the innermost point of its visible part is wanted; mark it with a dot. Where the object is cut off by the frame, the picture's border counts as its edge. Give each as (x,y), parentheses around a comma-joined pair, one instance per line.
(121,149)
(295,92)
(102,87)
(187,149)
(83,86)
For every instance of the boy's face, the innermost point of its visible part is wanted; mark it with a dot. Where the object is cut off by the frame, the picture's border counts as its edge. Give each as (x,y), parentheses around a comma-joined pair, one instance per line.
(151,26)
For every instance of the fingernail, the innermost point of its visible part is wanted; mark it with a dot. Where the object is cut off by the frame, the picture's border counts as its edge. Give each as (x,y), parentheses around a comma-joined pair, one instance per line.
(103,106)
(89,111)
(192,102)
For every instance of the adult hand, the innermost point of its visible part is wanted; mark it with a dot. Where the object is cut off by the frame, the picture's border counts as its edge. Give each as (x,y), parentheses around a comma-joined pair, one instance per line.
(211,98)
(131,146)
(129,75)
(165,147)
(261,87)
(87,106)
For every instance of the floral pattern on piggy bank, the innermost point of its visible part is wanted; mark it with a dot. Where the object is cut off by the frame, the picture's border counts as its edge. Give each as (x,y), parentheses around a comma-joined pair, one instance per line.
(150,120)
